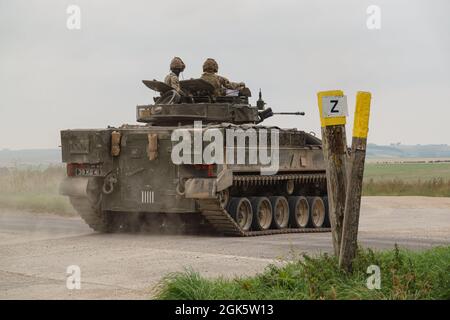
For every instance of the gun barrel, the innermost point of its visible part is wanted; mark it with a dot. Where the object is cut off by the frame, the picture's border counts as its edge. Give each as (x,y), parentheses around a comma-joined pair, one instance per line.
(290,113)
(267,113)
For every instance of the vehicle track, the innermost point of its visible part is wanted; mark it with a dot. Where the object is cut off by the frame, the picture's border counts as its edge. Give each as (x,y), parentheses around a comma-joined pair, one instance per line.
(222,221)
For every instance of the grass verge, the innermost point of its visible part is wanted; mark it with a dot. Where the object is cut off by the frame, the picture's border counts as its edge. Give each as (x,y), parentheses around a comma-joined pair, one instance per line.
(436,187)
(404,275)
(40,203)
(34,189)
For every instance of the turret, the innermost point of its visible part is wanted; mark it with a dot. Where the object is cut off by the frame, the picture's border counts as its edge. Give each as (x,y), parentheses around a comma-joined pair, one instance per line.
(197,102)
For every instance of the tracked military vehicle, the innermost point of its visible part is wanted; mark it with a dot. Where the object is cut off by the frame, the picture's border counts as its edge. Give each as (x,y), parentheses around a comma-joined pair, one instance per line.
(125,178)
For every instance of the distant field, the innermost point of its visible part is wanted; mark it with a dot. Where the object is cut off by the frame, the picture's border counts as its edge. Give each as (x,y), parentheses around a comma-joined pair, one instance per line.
(406,171)
(407,179)
(34,189)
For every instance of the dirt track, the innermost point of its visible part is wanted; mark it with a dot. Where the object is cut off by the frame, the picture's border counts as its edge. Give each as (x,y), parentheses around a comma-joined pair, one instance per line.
(36,249)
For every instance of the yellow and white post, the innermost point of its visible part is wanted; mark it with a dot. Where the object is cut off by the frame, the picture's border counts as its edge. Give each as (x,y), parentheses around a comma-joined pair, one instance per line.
(354,186)
(333,112)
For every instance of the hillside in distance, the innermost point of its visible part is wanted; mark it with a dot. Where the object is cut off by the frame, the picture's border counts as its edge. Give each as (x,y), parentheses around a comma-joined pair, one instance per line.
(408,151)
(29,157)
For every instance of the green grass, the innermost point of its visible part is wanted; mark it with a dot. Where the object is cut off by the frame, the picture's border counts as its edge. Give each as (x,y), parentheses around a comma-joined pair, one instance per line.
(436,187)
(34,189)
(43,203)
(404,275)
(407,179)
(408,172)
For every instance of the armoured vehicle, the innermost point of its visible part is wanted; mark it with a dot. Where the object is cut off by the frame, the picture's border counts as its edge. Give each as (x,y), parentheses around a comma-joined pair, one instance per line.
(126,178)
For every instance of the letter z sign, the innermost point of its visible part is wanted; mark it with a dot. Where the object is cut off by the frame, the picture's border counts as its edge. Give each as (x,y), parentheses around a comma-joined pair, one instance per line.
(334,106)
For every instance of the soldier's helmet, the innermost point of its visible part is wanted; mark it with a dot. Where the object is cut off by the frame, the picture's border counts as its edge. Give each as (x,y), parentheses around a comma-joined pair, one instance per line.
(210,65)
(177,64)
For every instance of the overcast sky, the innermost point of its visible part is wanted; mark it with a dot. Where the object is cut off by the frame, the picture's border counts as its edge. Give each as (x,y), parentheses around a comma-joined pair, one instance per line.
(53,78)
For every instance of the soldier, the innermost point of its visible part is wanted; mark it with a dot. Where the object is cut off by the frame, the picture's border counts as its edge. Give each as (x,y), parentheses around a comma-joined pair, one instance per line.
(210,68)
(176,66)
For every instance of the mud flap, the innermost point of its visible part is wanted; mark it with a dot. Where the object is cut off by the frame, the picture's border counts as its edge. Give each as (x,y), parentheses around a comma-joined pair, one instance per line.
(82,187)
(224,179)
(200,188)
(75,187)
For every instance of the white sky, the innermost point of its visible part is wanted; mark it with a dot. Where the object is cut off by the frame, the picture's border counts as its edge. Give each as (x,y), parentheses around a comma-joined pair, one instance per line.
(52,78)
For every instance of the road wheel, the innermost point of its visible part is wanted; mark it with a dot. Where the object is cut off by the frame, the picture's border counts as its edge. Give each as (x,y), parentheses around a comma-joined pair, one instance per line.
(224,198)
(299,212)
(241,211)
(317,211)
(262,209)
(280,211)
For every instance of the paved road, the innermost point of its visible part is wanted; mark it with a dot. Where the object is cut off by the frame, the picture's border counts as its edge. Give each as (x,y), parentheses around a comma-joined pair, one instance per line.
(36,249)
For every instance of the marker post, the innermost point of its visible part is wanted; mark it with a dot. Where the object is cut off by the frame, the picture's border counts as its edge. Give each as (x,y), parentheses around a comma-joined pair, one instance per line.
(354,186)
(333,111)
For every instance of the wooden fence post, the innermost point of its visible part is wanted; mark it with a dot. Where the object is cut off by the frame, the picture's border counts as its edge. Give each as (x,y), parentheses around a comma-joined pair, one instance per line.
(333,111)
(355,181)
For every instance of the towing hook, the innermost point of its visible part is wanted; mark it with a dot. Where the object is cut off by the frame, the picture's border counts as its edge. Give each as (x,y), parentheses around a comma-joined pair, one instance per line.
(180,190)
(108,184)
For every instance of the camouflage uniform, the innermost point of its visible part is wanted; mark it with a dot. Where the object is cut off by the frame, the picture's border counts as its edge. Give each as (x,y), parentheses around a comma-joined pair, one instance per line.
(210,68)
(172,80)
(219,83)
(176,66)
